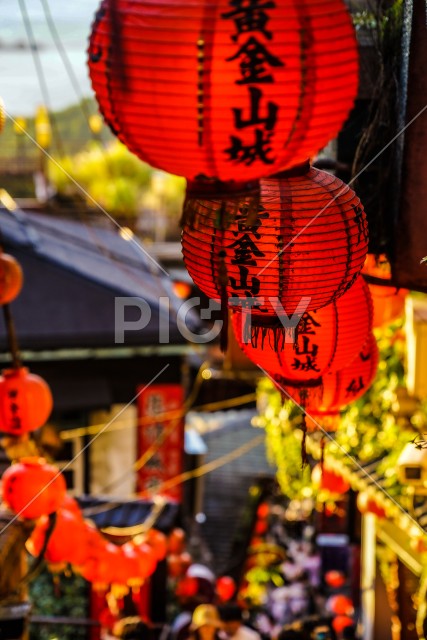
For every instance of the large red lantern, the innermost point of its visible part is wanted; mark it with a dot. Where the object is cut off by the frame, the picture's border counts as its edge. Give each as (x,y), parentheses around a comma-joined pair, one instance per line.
(389,302)
(225,89)
(307,241)
(25,401)
(32,488)
(325,340)
(11,278)
(67,542)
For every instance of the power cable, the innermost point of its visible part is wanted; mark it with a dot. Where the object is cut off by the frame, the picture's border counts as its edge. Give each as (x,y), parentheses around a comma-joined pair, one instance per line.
(40,74)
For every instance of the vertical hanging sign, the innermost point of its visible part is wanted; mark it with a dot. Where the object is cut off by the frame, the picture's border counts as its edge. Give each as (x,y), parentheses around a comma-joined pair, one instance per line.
(161,428)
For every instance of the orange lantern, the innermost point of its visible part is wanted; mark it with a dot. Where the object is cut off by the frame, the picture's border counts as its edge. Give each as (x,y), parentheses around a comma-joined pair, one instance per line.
(342,622)
(25,401)
(158,542)
(67,542)
(225,588)
(327,480)
(334,579)
(366,504)
(176,541)
(389,302)
(340,605)
(325,340)
(32,488)
(11,278)
(223,90)
(305,245)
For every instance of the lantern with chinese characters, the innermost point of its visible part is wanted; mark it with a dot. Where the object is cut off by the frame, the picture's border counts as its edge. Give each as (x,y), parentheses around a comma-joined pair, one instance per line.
(305,246)
(325,340)
(323,402)
(32,488)
(25,401)
(11,278)
(389,302)
(228,90)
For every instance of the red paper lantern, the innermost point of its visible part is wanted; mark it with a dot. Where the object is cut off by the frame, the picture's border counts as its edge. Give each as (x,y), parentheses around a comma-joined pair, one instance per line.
(389,302)
(340,605)
(32,488)
(11,278)
(327,480)
(104,564)
(334,579)
(342,622)
(187,587)
(25,401)
(158,542)
(263,510)
(222,90)
(138,563)
(225,588)
(308,240)
(325,340)
(67,542)
(366,504)
(176,541)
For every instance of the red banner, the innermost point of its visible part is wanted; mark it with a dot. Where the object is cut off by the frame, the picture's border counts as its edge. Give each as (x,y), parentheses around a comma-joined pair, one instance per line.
(164,434)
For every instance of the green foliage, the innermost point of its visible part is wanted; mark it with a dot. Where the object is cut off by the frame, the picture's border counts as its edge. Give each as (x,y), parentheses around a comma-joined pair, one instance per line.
(114,178)
(373,427)
(59,596)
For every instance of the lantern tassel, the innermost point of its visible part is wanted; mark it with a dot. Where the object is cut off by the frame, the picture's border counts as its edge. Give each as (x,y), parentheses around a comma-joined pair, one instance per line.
(304,442)
(322,453)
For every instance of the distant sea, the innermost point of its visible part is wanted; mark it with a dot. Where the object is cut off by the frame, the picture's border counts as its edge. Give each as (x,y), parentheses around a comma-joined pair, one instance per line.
(19,86)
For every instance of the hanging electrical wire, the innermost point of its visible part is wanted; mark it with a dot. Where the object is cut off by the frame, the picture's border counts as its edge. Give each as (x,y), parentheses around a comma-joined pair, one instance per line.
(40,74)
(67,64)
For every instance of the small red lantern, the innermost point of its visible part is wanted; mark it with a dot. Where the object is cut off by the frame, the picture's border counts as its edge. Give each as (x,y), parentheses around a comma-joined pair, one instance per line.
(225,588)
(25,401)
(176,541)
(325,340)
(263,510)
(335,579)
(175,566)
(187,587)
(32,488)
(340,605)
(261,527)
(158,542)
(11,278)
(67,542)
(306,244)
(327,480)
(389,302)
(342,622)
(222,90)
(366,504)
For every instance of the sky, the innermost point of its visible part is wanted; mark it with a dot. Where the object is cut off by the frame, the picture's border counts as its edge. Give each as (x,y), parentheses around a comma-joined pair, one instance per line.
(19,86)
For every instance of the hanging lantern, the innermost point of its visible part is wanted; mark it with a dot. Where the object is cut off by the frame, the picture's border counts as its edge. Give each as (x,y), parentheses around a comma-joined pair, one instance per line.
(325,340)
(176,541)
(11,278)
(335,579)
(366,504)
(187,587)
(336,390)
(308,241)
(340,605)
(225,588)
(222,90)
(103,566)
(389,302)
(327,480)
(67,542)
(25,401)
(32,488)
(342,622)
(158,542)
